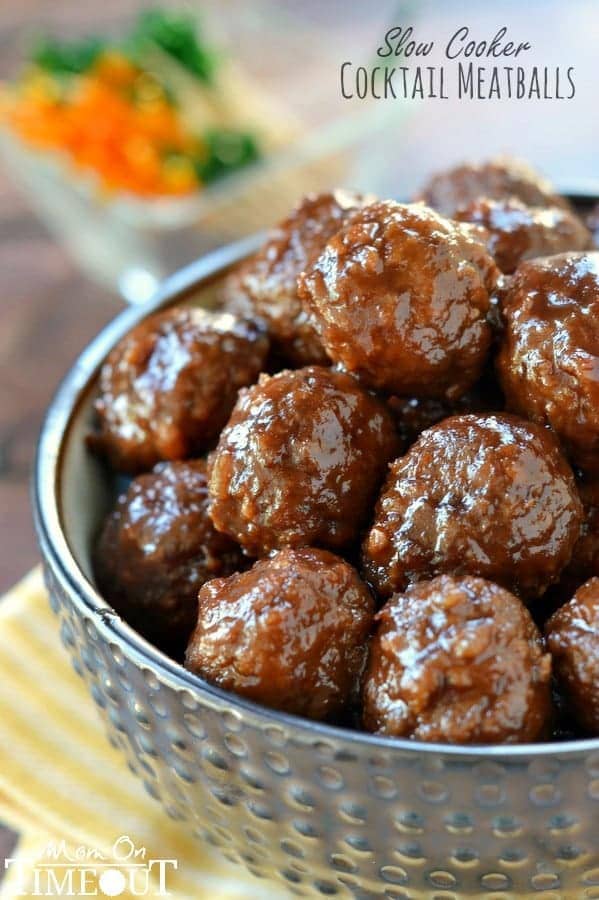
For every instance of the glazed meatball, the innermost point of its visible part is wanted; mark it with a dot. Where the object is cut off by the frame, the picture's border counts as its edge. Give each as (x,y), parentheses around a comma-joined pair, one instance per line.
(585,558)
(497,179)
(517,232)
(168,387)
(548,363)
(300,461)
(584,563)
(476,495)
(413,415)
(400,297)
(573,638)
(267,285)
(157,548)
(290,633)
(457,660)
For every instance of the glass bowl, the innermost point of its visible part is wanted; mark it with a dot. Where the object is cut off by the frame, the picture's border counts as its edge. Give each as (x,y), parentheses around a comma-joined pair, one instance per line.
(131,244)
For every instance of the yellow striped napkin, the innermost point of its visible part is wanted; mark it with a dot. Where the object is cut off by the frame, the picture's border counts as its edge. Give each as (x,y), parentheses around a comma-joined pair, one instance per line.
(63,787)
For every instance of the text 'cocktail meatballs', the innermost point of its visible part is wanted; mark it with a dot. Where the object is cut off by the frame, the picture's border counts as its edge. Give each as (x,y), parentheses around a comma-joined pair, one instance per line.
(487,495)
(497,179)
(266,285)
(517,232)
(400,297)
(573,639)
(167,388)
(457,661)
(548,363)
(300,461)
(290,633)
(158,547)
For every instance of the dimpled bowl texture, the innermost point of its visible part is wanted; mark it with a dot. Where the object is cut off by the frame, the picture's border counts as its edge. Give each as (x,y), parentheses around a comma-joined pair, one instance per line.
(318,809)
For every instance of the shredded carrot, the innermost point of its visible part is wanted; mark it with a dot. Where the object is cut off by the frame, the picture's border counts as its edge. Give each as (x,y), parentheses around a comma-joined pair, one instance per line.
(115,120)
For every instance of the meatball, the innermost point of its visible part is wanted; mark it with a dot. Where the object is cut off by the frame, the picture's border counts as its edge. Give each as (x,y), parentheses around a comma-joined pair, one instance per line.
(517,232)
(585,558)
(584,563)
(497,179)
(156,549)
(573,638)
(290,633)
(548,363)
(414,415)
(487,495)
(167,388)
(300,461)
(457,660)
(400,297)
(267,284)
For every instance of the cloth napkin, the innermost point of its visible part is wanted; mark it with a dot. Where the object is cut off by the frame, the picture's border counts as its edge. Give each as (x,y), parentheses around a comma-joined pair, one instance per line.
(63,787)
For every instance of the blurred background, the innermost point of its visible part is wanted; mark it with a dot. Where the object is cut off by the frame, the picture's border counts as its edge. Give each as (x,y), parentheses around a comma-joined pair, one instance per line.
(77,241)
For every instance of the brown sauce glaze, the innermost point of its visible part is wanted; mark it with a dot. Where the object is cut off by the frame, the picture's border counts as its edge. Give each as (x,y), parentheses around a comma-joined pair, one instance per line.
(400,297)
(573,639)
(497,179)
(548,363)
(290,633)
(413,415)
(167,388)
(266,285)
(300,461)
(487,495)
(516,232)
(156,549)
(457,660)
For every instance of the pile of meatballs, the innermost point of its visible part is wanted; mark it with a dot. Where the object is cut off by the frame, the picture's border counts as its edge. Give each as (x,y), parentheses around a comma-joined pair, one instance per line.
(366,488)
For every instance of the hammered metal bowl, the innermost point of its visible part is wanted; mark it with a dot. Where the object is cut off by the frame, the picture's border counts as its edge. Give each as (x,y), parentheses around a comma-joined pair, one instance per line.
(319,809)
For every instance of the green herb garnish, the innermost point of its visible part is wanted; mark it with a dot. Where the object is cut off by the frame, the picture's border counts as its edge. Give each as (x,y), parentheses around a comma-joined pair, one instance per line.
(177,35)
(67,57)
(226,151)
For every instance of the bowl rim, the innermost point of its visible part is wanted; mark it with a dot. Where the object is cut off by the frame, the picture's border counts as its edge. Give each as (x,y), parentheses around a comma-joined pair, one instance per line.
(71,392)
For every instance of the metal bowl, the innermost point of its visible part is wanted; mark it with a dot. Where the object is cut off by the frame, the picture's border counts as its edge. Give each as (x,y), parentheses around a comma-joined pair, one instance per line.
(320,809)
